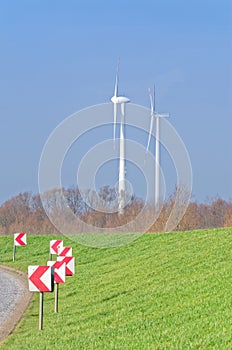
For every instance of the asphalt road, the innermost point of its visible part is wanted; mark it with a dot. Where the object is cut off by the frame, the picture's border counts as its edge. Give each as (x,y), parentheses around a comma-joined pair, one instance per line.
(14,298)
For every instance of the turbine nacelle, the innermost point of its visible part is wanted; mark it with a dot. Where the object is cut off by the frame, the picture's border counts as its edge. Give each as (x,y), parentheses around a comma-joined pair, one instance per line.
(119,99)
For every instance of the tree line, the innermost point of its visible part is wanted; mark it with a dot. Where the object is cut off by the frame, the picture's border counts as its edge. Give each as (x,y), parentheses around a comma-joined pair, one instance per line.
(25,211)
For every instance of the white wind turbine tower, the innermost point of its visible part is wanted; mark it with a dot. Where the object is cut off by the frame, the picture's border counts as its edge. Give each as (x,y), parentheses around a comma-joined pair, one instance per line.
(157,116)
(120,100)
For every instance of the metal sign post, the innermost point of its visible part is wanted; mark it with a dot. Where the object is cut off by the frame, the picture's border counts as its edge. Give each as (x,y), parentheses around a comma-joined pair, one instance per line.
(59,277)
(20,239)
(41,311)
(56,296)
(14,252)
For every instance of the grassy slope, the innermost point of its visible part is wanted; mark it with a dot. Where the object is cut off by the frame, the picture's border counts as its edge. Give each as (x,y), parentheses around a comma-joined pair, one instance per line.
(164,291)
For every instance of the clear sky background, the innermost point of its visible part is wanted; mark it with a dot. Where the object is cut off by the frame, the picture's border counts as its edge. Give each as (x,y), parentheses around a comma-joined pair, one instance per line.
(58,57)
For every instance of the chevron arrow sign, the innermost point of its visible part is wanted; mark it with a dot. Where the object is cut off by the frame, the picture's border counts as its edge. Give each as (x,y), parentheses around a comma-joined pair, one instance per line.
(59,270)
(55,244)
(41,278)
(20,239)
(70,264)
(64,251)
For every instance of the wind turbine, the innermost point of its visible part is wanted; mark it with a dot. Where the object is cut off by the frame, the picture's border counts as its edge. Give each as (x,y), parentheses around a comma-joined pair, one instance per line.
(156,116)
(120,100)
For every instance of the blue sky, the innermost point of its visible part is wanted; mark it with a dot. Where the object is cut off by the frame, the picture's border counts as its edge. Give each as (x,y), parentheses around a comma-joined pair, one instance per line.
(58,57)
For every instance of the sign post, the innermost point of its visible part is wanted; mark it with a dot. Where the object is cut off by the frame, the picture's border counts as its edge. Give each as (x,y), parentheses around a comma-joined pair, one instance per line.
(20,239)
(41,279)
(41,311)
(59,277)
(14,252)
(56,297)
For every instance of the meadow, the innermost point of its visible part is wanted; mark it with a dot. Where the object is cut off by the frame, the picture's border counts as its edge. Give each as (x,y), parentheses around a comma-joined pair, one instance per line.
(163,291)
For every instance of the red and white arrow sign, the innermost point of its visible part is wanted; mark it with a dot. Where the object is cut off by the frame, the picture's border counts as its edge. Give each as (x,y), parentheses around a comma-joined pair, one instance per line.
(59,270)
(20,239)
(54,245)
(70,264)
(65,251)
(40,278)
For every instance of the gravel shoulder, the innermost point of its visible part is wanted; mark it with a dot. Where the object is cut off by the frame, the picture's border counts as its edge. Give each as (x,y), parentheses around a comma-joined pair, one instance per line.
(14,299)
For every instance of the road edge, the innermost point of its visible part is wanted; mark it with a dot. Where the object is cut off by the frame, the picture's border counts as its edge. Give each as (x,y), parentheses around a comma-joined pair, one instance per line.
(14,317)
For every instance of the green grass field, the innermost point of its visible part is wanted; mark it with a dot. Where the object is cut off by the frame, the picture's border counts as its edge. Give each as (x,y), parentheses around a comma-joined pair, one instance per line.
(163,291)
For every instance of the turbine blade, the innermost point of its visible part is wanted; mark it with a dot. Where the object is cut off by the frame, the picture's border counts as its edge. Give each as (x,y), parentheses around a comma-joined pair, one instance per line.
(116,85)
(154,99)
(115,119)
(116,80)
(150,132)
(151,101)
